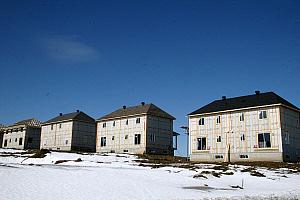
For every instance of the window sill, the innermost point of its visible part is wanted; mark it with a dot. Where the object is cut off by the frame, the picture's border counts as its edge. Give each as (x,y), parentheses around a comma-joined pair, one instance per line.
(266,149)
(201,151)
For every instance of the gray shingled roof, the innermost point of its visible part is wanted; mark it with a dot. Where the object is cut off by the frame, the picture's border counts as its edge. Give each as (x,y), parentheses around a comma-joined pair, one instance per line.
(262,99)
(149,109)
(28,122)
(78,116)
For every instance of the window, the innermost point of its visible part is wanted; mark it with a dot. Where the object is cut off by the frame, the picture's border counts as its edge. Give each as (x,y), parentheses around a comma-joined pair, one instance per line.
(67,141)
(114,123)
(9,140)
(59,125)
(104,125)
(264,140)
(152,137)
(218,119)
(126,137)
(22,129)
(125,150)
(127,122)
(286,138)
(201,143)
(16,140)
(113,138)
(20,141)
(242,117)
(201,121)
(5,143)
(244,156)
(242,137)
(138,120)
(218,156)
(52,126)
(103,141)
(219,139)
(137,139)
(263,114)
(29,140)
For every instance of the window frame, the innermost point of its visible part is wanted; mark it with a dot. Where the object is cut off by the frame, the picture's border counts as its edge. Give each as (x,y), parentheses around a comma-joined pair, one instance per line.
(219,139)
(104,125)
(242,117)
(103,142)
(219,119)
(137,139)
(201,139)
(138,120)
(201,121)
(265,145)
(263,114)
(20,141)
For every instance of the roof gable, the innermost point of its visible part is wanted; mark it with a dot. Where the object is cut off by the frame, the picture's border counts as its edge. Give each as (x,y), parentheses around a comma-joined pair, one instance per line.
(262,99)
(75,116)
(138,110)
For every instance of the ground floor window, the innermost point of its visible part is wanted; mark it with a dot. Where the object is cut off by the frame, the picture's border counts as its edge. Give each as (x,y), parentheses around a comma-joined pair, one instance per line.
(264,140)
(201,143)
(137,139)
(29,140)
(103,141)
(5,143)
(20,141)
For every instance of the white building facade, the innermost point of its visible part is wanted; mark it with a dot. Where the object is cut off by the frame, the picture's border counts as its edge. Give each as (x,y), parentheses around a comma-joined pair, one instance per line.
(69,132)
(260,127)
(24,134)
(136,130)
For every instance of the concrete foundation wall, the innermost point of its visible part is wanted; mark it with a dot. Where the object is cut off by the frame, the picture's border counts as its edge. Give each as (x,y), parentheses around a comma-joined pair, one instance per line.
(230,130)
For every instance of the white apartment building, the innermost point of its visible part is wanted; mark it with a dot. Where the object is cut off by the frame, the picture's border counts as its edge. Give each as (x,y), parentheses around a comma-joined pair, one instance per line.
(259,127)
(69,132)
(139,129)
(25,134)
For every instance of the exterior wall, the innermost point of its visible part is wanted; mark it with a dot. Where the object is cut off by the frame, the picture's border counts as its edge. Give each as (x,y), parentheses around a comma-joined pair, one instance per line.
(84,136)
(59,137)
(231,130)
(159,135)
(290,123)
(1,138)
(32,138)
(13,137)
(121,131)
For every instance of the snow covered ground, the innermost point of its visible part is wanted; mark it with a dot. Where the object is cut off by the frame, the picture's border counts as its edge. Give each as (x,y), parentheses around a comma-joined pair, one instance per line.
(112,176)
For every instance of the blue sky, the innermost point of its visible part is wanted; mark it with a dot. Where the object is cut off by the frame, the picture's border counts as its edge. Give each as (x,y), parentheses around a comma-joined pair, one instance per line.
(96,56)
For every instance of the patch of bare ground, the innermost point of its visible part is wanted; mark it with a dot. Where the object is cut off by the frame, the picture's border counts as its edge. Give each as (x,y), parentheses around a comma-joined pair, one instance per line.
(62,161)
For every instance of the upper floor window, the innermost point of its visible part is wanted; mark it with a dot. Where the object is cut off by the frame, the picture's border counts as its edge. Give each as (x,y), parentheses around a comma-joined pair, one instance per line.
(127,122)
(20,141)
(152,137)
(219,119)
(138,120)
(112,137)
(104,125)
(263,114)
(201,121)
(264,140)
(114,123)
(219,139)
(59,125)
(52,126)
(242,117)
(201,143)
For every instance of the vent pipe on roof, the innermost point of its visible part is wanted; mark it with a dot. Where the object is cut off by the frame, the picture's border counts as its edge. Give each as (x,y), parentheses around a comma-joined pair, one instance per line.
(124,107)
(60,114)
(257,92)
(143,103)
(77,111)
(223,97)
